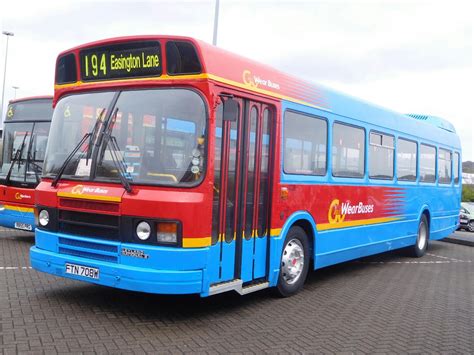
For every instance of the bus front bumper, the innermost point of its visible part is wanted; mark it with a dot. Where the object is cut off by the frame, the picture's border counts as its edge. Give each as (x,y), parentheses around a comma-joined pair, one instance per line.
(143,274)
(12,217)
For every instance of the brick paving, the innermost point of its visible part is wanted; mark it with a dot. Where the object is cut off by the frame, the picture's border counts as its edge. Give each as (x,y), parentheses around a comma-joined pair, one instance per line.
(383,304)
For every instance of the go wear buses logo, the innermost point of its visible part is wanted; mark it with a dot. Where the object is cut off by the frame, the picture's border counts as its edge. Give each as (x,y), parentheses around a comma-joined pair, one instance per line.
(255,81)
(81,189)
(20,196)
(337,211)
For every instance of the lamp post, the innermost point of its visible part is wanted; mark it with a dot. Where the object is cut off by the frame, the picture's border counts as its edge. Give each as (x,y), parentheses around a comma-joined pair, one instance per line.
(8,34)
(216,22)
(15,88)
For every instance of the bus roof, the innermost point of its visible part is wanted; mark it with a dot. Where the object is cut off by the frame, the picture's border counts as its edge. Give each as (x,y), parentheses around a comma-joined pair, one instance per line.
(230,69)
(31,98)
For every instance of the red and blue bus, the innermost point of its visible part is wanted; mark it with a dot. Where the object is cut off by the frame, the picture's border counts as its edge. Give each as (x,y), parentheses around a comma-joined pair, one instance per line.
(25,134)
(176,167)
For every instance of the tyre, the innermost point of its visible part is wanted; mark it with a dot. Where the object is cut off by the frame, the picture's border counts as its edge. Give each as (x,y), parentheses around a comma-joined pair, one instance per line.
(470,226)
(294,262)
(419,249)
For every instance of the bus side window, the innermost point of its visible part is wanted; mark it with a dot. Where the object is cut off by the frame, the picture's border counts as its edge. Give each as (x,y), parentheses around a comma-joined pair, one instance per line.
(348,151)
(406,160)
(381,156)
(305,140)
(427,163)
(444,166)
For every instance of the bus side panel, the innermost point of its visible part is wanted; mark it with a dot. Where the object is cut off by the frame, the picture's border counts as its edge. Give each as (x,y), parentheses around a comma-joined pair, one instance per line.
(398,205)
(332,246)
(259,269)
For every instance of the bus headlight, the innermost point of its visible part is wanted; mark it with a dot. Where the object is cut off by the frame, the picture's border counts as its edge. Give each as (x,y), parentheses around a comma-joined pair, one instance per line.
(43,218)
(167,232)
(2,207)
(143,230)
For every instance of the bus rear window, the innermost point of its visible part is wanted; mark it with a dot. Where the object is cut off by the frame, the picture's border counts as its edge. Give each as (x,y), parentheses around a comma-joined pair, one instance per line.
(456,168)
(182,58)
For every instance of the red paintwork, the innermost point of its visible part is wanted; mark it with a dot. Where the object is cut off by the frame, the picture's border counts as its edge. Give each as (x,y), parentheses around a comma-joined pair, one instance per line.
(16,196)
(385,201)
(217,62)
(193,206)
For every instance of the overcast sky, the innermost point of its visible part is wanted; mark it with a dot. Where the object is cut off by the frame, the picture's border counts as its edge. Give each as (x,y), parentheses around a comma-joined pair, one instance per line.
(410,56)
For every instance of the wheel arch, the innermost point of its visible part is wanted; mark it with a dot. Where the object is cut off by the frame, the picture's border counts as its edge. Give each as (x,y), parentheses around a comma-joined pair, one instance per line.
(425,210)
(302,219)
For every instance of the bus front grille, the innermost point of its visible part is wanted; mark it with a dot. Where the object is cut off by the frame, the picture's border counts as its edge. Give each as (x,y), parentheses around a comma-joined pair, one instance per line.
(88,250)
(92,225)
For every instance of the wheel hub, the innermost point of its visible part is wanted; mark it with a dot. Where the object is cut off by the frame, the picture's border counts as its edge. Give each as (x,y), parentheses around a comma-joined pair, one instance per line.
(292,261)
(422,236)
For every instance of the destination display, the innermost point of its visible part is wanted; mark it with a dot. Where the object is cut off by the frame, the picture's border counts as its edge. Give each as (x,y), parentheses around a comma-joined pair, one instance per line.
(120,61)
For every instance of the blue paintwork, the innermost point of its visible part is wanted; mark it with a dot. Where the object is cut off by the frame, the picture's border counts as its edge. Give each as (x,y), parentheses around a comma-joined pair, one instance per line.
(9,217)
(247,259)
(440,201)
(276,243)
(177,270)
(166,270)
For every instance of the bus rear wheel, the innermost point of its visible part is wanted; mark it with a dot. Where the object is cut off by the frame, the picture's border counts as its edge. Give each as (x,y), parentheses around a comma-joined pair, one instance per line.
(294,262)
(419,249)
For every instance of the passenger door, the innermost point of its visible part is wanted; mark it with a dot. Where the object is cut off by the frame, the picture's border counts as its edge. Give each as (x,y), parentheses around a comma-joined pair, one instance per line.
(242,190)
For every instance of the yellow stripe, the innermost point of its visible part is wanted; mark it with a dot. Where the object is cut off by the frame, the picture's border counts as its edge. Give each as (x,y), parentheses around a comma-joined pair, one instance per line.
(158,78)
(196,242)
(19,209)
(275,232)
(196,76)
(90,197)
(363,222)
(262,91)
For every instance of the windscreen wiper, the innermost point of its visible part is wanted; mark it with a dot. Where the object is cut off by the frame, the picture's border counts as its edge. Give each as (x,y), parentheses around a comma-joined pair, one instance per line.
(109,140)
(117,158)
(89,136)
(94,134)
(16,158)
(29,160)
(54,183)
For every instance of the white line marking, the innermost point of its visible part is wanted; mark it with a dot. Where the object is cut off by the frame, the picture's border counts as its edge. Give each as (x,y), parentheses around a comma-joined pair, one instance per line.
(445,257)
(15,268)
(445,260)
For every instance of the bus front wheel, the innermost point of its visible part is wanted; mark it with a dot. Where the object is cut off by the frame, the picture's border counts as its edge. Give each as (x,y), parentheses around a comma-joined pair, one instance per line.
(422,238)
(294,262)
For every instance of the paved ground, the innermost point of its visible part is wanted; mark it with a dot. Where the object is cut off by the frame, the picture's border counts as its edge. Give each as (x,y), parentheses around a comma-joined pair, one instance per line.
(461,237)
(384,304)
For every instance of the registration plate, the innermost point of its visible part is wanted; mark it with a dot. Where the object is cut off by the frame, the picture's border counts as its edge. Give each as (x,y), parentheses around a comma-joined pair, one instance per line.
(23,226)
(84,271)
(463,220)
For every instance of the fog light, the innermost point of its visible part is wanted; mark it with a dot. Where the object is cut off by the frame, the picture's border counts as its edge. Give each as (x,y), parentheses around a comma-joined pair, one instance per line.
(43,218)
(167,232)
(143,230)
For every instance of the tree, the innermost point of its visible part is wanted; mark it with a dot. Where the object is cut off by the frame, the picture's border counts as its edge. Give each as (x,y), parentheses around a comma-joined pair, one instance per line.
(467,193)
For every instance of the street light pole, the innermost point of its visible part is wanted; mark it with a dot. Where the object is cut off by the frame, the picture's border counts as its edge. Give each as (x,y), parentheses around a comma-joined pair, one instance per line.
(15,88)
(8,34)
(216,22)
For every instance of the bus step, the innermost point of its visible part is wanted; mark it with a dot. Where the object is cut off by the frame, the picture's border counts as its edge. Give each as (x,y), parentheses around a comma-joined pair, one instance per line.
(254,287)
(225,286)
(236,285)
